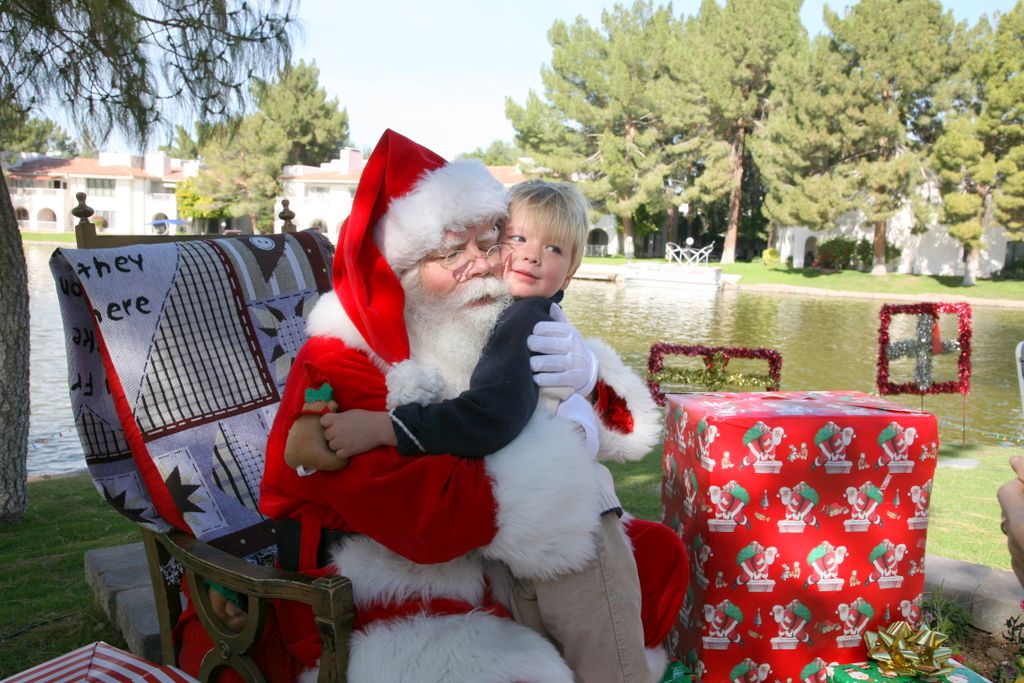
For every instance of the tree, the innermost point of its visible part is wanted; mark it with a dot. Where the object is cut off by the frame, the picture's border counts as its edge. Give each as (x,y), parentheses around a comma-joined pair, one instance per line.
(862,112)
(118,66)
(599,125)
(22,133)
(733,53)
(242,167)
(295,124)
(979,159)
(315,126)
(498,153)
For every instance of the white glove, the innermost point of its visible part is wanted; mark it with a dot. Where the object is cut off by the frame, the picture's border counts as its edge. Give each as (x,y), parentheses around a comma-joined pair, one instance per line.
(579,410)
(566,361)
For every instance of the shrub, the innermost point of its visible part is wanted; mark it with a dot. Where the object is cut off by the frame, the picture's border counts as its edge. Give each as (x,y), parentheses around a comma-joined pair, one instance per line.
(770,257)
(1014,271)
(836,253)
(864,253)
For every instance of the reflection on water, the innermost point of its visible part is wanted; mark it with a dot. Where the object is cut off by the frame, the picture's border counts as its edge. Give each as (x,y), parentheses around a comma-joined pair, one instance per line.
(825,344)
(53,445)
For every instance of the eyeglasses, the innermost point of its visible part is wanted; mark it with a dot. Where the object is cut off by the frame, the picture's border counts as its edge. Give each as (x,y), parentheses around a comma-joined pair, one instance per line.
(461,258)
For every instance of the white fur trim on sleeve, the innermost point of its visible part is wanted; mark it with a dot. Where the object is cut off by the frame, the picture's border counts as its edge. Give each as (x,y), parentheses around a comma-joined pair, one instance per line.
(548,506)
(457,194)
(412,382)
(647,419)
(329,319)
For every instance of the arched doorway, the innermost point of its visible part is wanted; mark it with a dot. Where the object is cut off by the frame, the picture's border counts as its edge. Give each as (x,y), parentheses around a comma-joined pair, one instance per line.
(810,251)
(597,243)
(46,219)
(21,215)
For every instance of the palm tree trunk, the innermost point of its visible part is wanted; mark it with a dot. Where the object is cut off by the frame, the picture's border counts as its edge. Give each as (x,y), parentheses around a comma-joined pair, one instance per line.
(14,399)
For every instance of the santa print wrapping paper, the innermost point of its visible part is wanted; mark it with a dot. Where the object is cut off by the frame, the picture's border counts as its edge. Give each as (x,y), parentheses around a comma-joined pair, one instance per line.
(805,515)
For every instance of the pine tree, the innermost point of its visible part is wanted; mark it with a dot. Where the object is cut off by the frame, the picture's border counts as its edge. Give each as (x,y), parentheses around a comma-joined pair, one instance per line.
(242,167)
(295,124)
(856,116)
(734,52)
(315,126)
(20,132)
(599,122)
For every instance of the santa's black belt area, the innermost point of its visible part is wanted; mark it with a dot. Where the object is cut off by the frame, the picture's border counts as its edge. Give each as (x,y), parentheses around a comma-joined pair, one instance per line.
(289,540)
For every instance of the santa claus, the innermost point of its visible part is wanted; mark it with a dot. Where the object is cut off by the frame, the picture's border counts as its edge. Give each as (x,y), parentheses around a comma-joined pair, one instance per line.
(430,542)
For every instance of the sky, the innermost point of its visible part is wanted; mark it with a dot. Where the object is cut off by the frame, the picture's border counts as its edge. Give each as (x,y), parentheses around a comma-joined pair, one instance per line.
(439,71)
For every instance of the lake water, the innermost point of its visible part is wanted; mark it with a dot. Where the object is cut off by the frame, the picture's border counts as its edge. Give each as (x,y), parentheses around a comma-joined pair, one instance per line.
(825,344)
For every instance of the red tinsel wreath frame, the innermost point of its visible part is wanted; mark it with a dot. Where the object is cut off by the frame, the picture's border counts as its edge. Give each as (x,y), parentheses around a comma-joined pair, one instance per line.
(963,382)
(656,361)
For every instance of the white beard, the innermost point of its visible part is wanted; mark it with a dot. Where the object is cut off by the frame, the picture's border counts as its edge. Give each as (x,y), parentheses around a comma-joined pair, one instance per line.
(449,332)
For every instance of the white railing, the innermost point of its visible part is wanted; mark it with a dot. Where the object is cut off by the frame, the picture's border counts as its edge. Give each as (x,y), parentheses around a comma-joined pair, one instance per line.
(34,191)
(595,250)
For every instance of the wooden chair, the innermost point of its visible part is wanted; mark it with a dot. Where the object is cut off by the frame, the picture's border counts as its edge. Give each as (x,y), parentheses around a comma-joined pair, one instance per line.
(131,476)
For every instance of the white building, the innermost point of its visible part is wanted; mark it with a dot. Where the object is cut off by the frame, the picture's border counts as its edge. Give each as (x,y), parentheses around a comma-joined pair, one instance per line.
(933,252)
(128,192)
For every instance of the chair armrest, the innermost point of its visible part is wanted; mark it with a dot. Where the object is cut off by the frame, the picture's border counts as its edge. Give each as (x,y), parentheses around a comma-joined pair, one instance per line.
(329,597)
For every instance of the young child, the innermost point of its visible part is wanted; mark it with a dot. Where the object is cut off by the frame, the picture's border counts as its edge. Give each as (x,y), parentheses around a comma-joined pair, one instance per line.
(593,615)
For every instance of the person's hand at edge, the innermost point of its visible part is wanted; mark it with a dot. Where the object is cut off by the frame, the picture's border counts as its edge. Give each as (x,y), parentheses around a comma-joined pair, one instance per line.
(1011,500)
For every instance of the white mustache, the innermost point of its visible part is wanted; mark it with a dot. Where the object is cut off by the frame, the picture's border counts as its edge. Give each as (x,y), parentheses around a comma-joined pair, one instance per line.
(479,289)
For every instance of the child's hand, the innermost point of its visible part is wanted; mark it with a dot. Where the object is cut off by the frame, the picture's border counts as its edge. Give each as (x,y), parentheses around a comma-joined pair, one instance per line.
(307,447)
(357,431)
(231,615)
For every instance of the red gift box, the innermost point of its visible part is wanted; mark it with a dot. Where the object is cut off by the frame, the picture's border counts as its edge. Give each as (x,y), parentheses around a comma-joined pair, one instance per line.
(805,514)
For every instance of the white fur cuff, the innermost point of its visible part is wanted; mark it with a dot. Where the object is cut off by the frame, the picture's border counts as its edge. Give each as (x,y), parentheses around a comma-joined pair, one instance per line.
(409,382)
(647,419)
(548,504)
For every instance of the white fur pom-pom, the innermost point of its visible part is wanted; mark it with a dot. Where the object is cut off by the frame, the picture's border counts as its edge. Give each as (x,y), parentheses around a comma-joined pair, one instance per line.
(410,382)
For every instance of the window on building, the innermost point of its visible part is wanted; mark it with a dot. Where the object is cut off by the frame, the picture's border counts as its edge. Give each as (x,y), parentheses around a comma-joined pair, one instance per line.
(158,187)
(317,190)
(99,187)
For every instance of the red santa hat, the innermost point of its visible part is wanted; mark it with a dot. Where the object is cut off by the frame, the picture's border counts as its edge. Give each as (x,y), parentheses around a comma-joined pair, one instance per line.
(407,198)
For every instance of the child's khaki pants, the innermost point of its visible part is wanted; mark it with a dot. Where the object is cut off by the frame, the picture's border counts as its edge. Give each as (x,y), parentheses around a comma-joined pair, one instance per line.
(593,616)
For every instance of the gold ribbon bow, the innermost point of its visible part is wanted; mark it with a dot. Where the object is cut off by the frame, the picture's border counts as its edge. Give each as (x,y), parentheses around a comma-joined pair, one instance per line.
(900,650)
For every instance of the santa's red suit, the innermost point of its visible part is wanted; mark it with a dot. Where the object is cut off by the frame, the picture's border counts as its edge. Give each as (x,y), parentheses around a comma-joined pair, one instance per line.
(426,532)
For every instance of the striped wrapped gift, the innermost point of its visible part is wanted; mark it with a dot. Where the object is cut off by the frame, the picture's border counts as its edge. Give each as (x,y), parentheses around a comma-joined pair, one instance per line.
(100,662)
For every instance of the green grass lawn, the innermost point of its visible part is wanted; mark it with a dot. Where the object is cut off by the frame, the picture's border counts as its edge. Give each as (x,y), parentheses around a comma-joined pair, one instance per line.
(47,608)
(964,517)
(854,281)
(63,237)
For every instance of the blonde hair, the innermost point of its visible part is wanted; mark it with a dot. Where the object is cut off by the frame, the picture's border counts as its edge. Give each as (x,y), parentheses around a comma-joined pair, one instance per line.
(558,211)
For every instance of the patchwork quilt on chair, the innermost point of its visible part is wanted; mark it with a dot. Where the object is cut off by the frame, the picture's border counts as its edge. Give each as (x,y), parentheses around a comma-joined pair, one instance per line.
(177,355)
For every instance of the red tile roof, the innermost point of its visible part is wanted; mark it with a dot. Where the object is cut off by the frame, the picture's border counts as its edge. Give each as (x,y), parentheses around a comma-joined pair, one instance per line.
(51,168)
